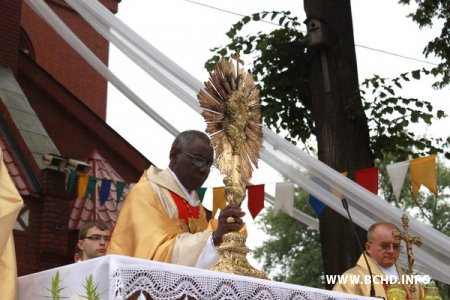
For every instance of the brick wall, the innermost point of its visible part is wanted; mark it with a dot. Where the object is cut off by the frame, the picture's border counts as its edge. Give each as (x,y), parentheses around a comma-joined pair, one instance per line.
(46,243)
(10,33)
(73,128)
(27,242)
(54,236)
(61,61)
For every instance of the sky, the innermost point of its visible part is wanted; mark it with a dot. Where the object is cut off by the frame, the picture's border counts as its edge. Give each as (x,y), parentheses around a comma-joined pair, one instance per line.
(185,31)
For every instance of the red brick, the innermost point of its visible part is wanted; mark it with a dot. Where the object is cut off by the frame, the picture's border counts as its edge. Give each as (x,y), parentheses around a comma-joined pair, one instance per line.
(61,61)
(9,38)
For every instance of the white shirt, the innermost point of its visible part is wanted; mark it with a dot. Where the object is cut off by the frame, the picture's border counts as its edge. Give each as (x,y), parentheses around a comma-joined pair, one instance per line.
(391,271)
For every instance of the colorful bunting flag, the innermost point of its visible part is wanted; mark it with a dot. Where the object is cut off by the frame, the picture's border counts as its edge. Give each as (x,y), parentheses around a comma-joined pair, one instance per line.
(255,199)
(82,184)
(90,190)
(397,174)
(218,200)
(423,172)
(104,191)
(334,191)
(368,179)
(85,187)
(120,186)
(317,205)
(201,193)
(284,197)
(73,176)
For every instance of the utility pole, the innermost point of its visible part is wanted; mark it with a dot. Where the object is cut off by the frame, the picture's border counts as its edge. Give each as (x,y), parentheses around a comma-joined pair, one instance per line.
(342,130)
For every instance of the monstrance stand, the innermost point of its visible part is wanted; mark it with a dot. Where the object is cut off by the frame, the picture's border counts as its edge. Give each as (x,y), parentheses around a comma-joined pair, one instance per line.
(231,109)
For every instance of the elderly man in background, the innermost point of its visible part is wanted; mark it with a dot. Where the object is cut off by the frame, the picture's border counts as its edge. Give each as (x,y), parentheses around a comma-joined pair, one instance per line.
(382,251)
(162,218)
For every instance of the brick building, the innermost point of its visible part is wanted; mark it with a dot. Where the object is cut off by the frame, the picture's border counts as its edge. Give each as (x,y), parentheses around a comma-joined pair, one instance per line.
(52,101)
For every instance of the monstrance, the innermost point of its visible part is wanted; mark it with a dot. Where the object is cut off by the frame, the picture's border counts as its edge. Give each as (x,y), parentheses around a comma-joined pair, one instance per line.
(232,111)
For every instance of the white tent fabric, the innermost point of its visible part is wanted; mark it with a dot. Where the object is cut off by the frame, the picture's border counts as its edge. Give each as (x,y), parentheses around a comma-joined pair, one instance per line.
(307,172)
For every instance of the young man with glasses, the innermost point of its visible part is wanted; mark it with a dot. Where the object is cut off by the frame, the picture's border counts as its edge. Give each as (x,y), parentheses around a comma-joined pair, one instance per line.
(162,218)
(93,239)
(382,252)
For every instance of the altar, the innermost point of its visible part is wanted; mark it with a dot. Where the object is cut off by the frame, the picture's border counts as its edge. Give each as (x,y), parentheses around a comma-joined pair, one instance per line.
(119,277)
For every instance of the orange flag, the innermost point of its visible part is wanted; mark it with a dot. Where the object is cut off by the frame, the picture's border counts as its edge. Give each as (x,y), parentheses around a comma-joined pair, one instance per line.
(423,171)
(82,184)
(218,200)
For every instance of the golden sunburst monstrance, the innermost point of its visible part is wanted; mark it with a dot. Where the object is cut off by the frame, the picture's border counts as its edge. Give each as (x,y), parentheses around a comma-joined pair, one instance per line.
(232,112)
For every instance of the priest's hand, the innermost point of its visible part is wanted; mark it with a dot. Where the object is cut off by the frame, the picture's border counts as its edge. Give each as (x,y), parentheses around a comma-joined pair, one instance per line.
(230,219)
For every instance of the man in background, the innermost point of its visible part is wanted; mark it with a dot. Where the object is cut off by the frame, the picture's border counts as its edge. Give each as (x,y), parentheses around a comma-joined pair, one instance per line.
(382,252)
(93,240)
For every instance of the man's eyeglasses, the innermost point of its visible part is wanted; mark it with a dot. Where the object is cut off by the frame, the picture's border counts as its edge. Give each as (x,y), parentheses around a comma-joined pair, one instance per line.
(387,246)
(97,238)
(199,161)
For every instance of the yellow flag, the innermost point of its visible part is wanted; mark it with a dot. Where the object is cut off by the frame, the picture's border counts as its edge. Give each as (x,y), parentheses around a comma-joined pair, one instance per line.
(423,171)
(82,184)
(336,192)
(10,204)
(218,200)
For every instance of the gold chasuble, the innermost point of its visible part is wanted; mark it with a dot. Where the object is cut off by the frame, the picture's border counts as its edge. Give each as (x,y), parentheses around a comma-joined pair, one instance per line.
(150,226)
(10,204)
(361,282)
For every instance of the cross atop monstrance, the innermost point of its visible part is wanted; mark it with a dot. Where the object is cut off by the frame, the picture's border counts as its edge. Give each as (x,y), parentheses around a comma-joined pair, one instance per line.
(232,111)
(410,241)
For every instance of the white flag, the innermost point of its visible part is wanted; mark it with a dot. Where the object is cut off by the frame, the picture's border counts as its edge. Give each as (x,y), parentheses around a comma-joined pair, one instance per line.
(284,197)
(397,174)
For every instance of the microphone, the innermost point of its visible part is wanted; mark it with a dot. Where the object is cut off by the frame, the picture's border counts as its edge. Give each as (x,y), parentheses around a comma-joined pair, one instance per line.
(372,287)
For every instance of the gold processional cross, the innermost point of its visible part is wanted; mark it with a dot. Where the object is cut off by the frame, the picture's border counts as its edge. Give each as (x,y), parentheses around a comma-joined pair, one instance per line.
(410,241)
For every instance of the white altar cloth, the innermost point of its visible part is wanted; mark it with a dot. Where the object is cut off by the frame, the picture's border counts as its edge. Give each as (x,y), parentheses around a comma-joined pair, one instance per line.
(118,277)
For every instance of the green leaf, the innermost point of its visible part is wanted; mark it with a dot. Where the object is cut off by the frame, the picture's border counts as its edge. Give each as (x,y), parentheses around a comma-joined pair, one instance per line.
(416,74)
(56,287)
(91,289)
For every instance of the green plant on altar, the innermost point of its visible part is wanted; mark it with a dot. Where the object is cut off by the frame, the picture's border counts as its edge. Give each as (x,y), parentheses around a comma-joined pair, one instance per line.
(91,289)
(56,287)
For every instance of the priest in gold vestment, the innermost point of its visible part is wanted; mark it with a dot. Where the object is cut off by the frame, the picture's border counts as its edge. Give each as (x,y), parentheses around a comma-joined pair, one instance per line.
(382,252)
(10,204)
(162,218)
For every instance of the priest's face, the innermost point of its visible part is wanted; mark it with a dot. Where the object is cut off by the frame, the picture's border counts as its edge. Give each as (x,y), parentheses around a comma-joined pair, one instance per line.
(382,246)
(192,163)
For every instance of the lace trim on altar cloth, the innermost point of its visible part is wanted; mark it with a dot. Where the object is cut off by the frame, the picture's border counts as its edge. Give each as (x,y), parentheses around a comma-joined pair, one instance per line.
(166,285)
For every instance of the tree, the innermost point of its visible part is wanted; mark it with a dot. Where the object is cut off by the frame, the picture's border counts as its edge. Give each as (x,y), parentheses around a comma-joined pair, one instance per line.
(315,91)
(427,13)
(292,253)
